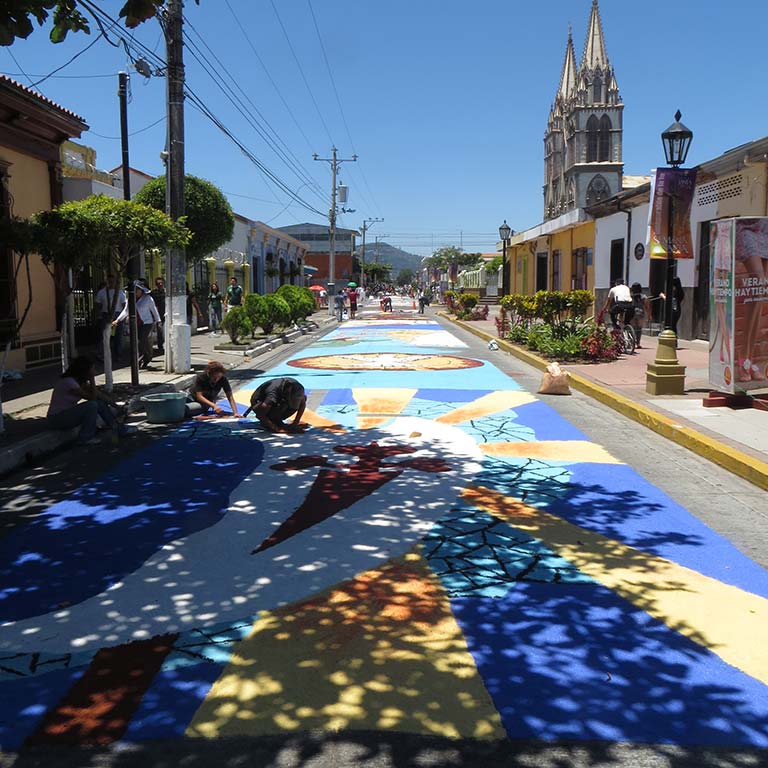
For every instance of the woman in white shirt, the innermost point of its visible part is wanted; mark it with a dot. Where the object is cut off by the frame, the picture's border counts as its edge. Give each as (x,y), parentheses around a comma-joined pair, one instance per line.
(146,317)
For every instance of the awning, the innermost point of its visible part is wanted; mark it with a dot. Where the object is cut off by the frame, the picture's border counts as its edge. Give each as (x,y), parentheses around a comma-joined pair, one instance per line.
(308,270)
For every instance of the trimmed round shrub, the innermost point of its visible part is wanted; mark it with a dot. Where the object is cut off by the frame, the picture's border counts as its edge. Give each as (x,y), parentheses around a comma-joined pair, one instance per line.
(267,312)
(300,300)
(237,324)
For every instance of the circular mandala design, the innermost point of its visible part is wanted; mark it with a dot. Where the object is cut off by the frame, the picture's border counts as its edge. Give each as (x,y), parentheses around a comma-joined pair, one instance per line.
(386,361)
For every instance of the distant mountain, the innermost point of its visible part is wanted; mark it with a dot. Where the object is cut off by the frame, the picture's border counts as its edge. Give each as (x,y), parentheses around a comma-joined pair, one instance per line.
(388,254)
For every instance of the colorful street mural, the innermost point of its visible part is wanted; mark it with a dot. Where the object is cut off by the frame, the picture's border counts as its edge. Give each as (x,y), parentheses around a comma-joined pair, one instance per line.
(440,554)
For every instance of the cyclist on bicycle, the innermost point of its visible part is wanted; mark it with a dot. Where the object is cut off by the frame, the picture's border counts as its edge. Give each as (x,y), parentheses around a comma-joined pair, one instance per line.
(619,303)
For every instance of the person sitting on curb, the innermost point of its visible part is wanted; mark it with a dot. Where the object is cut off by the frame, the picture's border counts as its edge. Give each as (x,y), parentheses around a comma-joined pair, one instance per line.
(204,392)
(275,400)
(66,411)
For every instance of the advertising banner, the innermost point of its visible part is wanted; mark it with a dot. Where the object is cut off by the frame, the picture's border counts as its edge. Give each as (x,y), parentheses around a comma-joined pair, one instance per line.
(680,184)
(738,347)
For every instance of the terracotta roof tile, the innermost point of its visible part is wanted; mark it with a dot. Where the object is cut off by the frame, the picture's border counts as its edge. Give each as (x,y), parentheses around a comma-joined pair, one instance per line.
(39,97)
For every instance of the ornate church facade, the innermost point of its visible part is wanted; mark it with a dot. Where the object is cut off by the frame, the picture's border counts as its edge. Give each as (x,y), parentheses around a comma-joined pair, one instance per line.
(583,142)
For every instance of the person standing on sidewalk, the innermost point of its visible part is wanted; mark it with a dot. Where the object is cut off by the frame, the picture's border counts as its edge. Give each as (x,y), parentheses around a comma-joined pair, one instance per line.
(158,296)
(215,301)
(642,311)
(66,411)
(146,318)
(234,295)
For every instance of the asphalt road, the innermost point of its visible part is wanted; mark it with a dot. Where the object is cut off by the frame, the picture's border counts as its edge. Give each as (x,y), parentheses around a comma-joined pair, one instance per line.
(382,624)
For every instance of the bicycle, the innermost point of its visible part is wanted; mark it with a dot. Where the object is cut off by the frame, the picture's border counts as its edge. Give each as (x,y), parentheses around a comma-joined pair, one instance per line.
(625,334)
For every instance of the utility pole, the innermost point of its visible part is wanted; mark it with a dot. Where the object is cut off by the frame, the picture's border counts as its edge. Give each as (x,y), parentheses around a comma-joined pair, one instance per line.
(132,264)
(177,332)
(335,163)
(367,224)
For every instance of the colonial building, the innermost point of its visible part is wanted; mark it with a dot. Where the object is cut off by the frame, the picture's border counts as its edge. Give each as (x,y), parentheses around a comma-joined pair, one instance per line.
(583,141)
(32,130)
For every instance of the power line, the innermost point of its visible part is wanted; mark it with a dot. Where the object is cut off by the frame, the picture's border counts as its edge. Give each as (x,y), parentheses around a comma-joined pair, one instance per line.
(286,155)
(61,77)
(301,71)
(21,69)
(69,61)
(132,133)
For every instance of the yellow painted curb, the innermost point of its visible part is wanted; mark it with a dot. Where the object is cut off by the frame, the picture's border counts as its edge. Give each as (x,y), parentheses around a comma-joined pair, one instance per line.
(732,459)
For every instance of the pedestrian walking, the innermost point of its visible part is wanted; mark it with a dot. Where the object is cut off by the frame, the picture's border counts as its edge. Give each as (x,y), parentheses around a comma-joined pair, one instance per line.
(147,317)
(642,311)
(234,295)
(215,302)
(203,394)
(276,400)
(158,296)
(352,298)
(66,411)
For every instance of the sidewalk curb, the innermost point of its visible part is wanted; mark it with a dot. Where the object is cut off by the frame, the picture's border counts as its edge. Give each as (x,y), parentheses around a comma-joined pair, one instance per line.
(751,469)
(49,441)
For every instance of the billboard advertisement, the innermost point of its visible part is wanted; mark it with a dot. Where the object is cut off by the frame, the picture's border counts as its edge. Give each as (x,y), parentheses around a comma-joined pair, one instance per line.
(738,347)
(680,184)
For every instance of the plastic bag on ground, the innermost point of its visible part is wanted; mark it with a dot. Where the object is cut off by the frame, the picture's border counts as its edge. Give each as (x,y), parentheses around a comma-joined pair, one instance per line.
(555,381)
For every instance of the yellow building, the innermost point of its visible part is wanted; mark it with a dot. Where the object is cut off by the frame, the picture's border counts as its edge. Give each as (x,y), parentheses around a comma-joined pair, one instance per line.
(32,130)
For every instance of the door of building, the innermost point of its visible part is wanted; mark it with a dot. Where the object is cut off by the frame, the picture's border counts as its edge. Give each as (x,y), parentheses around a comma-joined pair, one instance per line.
(542,271)
(617,260)
(701,290)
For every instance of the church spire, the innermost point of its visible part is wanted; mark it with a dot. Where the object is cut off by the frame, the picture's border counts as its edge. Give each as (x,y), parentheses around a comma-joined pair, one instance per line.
(594,47)
(568,76)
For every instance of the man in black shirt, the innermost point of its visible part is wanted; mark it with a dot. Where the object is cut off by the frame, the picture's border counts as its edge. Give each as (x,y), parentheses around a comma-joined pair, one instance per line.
(204,392)
(275,400)
(158,294)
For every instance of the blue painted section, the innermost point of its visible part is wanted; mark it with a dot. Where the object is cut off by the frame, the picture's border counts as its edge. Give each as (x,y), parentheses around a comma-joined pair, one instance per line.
(476,555)
(564,661)
(339,397)
(171,701)
(547,423)
(108,528)
(618,502)
(25,701)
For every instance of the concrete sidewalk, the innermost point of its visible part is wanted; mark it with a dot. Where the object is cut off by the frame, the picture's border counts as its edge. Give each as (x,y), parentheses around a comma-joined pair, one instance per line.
(25,401)
(736,439)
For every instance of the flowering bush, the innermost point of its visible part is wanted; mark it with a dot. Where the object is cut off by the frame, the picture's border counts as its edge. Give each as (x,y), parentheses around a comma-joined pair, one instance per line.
(600,344)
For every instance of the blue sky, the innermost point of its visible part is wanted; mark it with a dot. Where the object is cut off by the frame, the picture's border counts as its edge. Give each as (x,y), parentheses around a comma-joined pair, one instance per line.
(444,102)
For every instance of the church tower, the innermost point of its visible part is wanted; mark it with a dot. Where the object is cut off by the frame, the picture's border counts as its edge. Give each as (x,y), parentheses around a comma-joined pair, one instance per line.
(583,143)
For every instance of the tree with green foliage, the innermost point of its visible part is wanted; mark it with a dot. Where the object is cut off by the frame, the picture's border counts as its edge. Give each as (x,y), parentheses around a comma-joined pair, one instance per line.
(405,277)
(78,233)
(17,17)
(267,312)
(207,213)
(377,273)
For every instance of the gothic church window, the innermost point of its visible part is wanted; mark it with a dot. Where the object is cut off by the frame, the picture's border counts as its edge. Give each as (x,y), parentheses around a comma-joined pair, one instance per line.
(597,90)
(597,190)
(593,127)
(604,140)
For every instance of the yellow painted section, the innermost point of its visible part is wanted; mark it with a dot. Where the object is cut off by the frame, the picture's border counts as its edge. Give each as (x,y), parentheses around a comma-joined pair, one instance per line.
(370,422)
(726,620)
(493,402)
(407,336)
(381,651)
(552,450)
(379,401)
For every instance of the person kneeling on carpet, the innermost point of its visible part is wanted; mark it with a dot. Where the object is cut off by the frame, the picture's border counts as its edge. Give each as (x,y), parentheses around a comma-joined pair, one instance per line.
(275,400)
(204,392)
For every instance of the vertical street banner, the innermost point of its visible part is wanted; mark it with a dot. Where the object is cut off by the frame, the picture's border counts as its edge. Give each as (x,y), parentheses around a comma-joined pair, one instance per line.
(738,347)
(680,184)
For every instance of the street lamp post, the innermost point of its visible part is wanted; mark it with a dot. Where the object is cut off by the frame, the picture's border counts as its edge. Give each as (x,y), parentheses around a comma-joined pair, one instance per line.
(665,376)
(505,232)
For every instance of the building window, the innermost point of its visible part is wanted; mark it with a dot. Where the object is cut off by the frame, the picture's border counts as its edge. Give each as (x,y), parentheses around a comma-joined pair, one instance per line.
(597,190)
(541,271)
(593,128)
(579,274)
(597,90)
(604,139)
(555,270)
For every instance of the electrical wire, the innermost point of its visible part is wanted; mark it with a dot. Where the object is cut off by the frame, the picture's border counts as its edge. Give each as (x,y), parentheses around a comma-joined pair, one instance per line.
(285,155)
(301,71)
(59,77)
(21,69)
(69,61)
(132,133)
(102,18)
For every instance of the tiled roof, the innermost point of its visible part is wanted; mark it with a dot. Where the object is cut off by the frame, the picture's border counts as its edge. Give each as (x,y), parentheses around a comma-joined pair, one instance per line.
(39,97)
